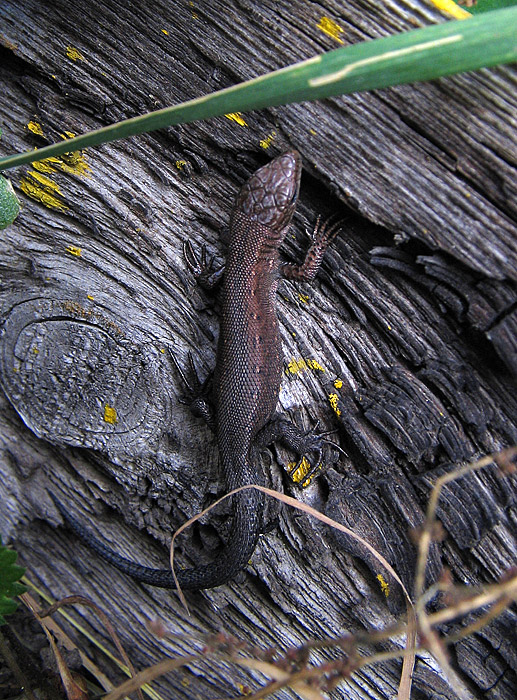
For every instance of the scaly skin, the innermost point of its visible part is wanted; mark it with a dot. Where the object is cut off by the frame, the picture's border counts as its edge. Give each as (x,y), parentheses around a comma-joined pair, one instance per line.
(248,368)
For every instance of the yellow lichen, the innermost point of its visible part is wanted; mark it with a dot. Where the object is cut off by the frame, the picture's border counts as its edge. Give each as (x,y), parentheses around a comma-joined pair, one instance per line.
(451,8)
(110,414)
(74,163)
(295,366)
(330,28)
(35,128)
(44,180)
(333,400)
(42,189)
(194,13)
(43,166)
(385,587)
(266,142)
(75,309)
(74,54)
(74,250)
(236,117)
(299,471)
(314,364)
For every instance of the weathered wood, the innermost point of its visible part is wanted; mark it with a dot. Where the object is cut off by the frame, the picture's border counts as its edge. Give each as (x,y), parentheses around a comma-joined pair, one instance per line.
(416,343)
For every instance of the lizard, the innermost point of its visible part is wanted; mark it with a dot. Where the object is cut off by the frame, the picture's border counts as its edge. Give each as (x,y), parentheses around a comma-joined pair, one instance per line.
(248,370)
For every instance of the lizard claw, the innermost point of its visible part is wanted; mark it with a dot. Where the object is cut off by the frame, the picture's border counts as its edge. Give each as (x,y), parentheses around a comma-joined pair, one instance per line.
(311,441)
(202,267)
(195,265)
(196,391)
(327,230)
(321,236)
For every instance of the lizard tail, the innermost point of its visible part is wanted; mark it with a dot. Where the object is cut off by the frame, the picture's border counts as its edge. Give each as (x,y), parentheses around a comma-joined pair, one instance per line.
(246,527)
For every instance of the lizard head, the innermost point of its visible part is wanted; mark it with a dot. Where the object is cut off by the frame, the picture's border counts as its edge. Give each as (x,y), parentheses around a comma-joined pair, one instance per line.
(269,196)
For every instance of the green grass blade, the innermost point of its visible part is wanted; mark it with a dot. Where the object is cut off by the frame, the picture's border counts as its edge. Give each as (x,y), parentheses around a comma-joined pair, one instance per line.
(422,54)
(489,5)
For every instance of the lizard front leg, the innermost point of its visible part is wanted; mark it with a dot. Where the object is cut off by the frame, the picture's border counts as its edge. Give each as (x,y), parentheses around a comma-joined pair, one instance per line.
(322,235)
(202,268)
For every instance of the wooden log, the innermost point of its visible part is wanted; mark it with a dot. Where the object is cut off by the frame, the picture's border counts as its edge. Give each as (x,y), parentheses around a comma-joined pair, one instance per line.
(409,329)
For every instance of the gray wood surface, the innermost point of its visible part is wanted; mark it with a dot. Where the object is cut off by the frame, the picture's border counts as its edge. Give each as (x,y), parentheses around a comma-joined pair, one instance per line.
(419,334)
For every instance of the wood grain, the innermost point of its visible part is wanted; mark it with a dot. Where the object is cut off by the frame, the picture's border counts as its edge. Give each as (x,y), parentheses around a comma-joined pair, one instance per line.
(415,341)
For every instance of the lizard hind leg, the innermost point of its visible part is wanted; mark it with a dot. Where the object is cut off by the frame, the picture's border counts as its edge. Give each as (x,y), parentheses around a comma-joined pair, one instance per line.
(300,441)
(197,393)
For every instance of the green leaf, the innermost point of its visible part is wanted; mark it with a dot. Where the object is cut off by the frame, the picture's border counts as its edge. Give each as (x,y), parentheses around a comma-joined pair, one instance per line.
(10,573)
(422,54)
(9,204)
